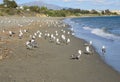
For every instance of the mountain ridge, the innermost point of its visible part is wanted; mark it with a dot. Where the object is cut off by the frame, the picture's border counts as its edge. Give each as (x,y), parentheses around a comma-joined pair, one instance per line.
(41,3)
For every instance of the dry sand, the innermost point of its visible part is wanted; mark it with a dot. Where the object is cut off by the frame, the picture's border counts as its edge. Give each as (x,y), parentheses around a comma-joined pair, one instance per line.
(49,62)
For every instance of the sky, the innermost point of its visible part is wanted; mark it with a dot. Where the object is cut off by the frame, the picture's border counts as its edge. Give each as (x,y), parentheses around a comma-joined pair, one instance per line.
(82,4)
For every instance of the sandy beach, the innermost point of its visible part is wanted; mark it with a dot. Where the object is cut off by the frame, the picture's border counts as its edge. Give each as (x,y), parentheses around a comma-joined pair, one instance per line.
(49,62)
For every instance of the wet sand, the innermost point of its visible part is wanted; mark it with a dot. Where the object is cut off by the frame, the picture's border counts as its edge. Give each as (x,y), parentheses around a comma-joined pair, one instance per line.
(49,62)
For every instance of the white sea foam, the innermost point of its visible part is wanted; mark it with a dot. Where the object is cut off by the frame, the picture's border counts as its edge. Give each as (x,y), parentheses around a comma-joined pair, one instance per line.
(87,28)
(100,37)
(102,33)
(97,31)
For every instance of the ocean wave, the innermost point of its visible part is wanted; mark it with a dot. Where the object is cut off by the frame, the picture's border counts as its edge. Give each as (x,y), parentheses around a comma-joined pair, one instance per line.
(101,33)
(87,28)
(104,34)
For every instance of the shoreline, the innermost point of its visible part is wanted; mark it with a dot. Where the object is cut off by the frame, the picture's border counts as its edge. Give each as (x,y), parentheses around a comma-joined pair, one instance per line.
(91,16)
(96,48)
(93,48)
(50,62)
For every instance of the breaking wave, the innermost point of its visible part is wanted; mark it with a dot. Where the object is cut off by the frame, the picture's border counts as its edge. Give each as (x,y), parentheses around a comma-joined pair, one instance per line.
(102,33)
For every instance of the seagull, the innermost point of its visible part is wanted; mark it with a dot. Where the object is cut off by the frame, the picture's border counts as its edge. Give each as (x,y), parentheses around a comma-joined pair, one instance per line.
(73,34)
(11,33)
(25,30)
(64,31)
(38,32)
(20,35)
(28,44)
(68,41)
(35,34)
(68,33)
(63,38)
(88,50)
(33,43)
(57,41)
(90,43)
(79,54)
(39,36)
(48,35)
(103,49)
(33,37)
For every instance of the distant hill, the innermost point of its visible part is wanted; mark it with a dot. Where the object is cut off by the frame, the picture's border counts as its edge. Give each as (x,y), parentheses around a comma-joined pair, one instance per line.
(41,3)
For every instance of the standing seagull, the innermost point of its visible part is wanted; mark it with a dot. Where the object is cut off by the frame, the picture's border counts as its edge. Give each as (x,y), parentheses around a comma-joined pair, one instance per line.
(28,44)
(20,34)
(79,54)
(68,41)
(57,41)
(90,43)
(11,33)
(88,51)
(103,49)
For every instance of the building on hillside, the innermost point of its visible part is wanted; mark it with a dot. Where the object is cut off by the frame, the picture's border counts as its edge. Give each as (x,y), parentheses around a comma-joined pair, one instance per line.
(116,11)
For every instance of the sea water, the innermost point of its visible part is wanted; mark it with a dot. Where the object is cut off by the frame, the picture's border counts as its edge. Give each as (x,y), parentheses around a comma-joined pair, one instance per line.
(101,31)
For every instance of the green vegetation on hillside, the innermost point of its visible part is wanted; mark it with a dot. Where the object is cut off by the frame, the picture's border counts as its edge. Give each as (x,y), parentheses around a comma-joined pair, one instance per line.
(10,7)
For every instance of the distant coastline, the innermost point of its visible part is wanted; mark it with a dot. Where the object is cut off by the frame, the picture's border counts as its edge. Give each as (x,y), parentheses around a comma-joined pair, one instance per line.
(91,16)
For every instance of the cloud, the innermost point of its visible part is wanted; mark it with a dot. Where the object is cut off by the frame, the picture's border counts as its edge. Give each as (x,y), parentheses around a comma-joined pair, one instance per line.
(99,2)
(106,2)
(91,1)
(66,0)
(94,1)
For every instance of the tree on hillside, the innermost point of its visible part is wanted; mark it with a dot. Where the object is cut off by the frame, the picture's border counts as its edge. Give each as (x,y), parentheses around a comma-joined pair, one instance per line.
(107,11)
(93,11)
(10,3)
(43,9)
(85,12)
(5,1)
(35,9)
(102,12)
